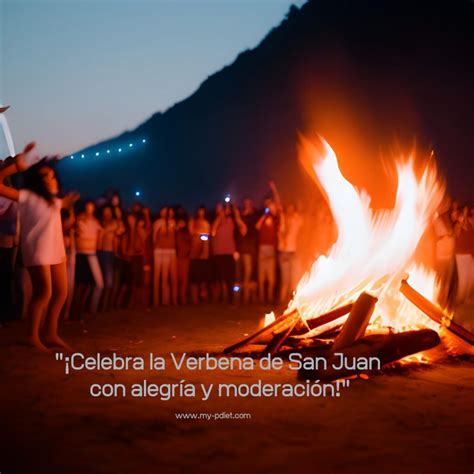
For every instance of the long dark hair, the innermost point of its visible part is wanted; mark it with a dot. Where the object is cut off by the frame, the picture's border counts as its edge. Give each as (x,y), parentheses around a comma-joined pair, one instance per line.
(33,180)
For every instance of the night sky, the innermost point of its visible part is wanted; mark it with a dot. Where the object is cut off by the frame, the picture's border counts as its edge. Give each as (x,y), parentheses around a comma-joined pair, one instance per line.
(76,72)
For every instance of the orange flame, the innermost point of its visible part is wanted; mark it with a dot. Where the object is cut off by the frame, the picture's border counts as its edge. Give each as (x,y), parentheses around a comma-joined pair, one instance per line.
(374,249)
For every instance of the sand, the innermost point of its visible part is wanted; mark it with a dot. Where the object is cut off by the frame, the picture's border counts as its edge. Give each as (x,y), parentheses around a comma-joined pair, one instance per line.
(417,421)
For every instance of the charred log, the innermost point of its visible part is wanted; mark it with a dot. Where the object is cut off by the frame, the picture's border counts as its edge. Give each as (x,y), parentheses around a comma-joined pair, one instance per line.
(357,322)
(280,324)
(434,312)
(329,317)
(386,348)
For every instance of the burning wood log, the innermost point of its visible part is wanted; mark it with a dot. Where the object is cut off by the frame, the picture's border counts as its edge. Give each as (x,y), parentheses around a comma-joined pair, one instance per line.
(279,339)
(307,343)
(329,317)
(280,324)
(434,312)
(357,322)
(384,348)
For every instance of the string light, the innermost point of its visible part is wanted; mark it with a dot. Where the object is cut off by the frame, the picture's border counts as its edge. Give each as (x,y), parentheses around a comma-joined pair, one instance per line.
(137,193)
(108,151)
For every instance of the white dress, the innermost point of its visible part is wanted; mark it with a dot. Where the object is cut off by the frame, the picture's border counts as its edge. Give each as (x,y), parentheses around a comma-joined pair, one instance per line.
(41,235)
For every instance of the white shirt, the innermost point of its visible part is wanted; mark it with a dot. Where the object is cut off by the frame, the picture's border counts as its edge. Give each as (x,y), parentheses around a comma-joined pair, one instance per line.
(289,241)
(41,235)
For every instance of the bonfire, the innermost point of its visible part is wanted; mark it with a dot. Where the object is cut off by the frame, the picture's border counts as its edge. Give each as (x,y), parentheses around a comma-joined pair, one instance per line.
(367,297)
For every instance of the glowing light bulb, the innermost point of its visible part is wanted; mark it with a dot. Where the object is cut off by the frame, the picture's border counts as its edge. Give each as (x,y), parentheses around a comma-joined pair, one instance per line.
(137,193)
(143,141)
(130,145)
(227,198)
(72,157)
(119,150)
(108,151)
(236,288)
(97,154)
(82,156)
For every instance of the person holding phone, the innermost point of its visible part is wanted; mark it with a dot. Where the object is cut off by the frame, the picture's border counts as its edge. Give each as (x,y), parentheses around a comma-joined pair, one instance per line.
(247,246)
(267,227)
(224,251)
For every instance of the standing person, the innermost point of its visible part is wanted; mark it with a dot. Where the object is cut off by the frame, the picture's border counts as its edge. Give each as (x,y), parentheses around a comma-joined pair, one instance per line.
(42,245)
(183,252)
(119,262)
(134,249)
(288,230)
(112,228)
(165,265)
(445,262)
(267,227)
(247,246)
(199,270)
(148,265)
(224,251)
(88,272)
(464,259)
(68,219)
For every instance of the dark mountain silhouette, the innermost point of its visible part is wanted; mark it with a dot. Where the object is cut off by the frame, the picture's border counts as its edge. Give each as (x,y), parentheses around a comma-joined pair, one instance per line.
(368,75)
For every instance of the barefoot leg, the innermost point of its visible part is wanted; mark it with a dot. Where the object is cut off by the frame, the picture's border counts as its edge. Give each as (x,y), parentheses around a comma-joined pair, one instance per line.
(58,298)
(41,294)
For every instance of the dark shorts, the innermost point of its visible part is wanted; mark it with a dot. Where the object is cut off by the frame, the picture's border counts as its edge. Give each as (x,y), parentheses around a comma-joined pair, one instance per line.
(223,268)
(106,261)
(122,272)
(136,263)
(83,274)
(199,271)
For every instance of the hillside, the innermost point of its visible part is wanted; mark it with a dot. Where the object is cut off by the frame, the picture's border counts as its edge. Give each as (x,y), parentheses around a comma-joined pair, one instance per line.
(368,75)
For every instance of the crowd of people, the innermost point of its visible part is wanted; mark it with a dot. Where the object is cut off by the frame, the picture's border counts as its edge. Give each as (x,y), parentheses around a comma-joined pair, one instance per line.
(69,259)
(61,257)
(453,231)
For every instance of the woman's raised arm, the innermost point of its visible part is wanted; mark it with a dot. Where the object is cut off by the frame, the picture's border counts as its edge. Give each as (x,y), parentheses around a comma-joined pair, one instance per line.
(12,166)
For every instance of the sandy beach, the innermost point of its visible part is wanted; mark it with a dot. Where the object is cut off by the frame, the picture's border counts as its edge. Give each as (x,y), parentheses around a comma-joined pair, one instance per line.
(417,420)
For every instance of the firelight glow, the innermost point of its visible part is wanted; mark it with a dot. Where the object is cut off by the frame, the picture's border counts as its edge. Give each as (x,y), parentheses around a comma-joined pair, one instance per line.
(374,249)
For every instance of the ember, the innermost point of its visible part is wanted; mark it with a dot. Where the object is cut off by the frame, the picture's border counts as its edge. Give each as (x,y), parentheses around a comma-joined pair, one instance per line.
(356,303)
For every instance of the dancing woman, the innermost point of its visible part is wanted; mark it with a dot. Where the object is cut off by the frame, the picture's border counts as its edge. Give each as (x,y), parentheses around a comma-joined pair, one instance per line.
(41,242)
